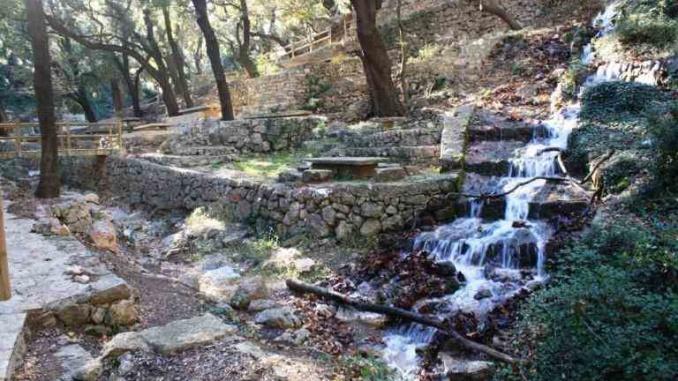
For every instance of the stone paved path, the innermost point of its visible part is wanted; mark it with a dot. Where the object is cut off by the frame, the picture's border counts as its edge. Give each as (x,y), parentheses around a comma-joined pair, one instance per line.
(39,270)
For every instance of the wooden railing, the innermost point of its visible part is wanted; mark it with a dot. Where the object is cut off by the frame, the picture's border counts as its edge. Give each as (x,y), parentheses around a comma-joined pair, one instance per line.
(73,139)
(332,34)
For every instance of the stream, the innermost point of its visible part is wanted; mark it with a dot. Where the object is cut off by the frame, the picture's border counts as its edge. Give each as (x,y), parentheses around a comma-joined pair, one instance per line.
(474,245)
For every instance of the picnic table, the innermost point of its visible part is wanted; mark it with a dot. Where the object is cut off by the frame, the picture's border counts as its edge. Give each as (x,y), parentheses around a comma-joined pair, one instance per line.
(348,167)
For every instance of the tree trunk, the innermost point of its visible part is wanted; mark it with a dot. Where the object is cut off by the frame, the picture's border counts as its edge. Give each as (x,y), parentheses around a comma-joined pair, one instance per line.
(177,59)
(212,45)
(132,89)
(163,78)
(376,63)
(118,102)
(49,184)
(3,119)
(197,57)
(492,7)
(244,57)
(80,96)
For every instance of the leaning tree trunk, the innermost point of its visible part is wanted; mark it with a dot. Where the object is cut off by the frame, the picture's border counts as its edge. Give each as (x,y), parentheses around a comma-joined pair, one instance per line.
(494,8)
(177,60)
(197,57)
(130,83)
(212,47)
(163,78)
(81,98)
(376,63)
(49,184)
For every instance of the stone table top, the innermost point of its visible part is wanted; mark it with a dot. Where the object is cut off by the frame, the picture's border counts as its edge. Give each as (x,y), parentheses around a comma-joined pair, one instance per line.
(347,161)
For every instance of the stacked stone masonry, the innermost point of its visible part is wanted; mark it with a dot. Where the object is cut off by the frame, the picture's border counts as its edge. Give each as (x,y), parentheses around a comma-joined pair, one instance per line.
(344,210)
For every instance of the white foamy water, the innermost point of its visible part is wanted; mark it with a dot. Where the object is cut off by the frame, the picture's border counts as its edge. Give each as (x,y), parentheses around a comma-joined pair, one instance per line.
(508,245)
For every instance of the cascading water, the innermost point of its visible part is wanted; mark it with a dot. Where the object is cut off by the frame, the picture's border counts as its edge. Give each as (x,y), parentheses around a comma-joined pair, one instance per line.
(470,244)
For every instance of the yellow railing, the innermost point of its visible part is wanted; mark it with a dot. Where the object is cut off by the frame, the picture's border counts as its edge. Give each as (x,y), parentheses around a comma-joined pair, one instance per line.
(73,139)
(326,37)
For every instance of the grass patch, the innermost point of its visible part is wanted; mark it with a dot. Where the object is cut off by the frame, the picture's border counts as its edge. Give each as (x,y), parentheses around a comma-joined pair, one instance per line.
(270,165)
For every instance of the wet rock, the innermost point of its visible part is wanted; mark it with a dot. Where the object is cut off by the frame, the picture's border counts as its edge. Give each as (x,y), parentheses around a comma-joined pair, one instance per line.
(466,370)
(483,294)
(444,268)
(248,290)
(283,317)
(122,313)
(104,236)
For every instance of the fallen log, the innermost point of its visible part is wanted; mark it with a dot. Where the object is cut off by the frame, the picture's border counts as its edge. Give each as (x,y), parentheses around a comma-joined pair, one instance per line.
(306,288)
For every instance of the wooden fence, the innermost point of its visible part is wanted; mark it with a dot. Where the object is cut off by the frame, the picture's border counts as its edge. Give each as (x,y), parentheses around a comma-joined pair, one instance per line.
(327,37)
(74,139)
(5,291)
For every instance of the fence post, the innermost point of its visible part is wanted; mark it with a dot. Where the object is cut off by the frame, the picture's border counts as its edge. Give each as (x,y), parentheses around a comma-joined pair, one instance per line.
(68,140)
(5,290)
(120,149)
(17,137)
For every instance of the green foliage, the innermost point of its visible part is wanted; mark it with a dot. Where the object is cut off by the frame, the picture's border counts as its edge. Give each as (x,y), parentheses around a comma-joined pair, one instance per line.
(612,313)
(316,87)
(664,128)
(366,368)
(649,22)
(575,74)
(611,101)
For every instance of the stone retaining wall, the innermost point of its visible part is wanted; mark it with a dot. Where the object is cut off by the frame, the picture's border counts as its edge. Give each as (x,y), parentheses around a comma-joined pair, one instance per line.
(246,136)
(345,210)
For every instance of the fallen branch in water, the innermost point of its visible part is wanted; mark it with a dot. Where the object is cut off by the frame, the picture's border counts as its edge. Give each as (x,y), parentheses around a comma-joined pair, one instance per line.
(515,188)
(401,314)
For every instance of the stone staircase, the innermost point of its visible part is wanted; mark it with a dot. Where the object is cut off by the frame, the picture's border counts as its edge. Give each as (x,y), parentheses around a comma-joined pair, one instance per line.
(410,142)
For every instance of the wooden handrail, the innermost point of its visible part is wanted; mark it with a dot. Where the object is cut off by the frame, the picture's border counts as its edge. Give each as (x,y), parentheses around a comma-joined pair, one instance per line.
(110,134)
(5,290)
(309,42)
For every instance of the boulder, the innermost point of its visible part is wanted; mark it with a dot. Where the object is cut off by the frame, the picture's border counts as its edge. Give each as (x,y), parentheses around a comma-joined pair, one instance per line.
(74,314)
(77,364)
(466,370)
(370,227)
(249,289)
(283,317)
(219,284)
(104,235)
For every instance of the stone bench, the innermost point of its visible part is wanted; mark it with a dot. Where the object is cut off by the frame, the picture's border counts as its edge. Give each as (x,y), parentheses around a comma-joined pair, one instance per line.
(348,167)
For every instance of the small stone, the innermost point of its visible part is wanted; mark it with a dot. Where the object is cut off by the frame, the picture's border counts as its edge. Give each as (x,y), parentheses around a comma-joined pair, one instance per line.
(259,305)
(98,315)
(104,236)
(483,294)
(370,227)
(83,279)
(317,175)
(123,313)
(283,317)
(124,342)
(74,314)
(219,284)
(91,197)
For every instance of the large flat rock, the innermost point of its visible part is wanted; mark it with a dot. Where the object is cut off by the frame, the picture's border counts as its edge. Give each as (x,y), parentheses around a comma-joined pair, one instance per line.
(11,342)
(41,276)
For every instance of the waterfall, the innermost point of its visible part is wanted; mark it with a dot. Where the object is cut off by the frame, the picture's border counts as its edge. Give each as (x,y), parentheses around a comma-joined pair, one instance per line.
(470,243)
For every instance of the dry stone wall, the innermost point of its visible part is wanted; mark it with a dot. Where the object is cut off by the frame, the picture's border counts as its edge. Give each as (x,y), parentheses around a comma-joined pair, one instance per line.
(247,135)
(344,210)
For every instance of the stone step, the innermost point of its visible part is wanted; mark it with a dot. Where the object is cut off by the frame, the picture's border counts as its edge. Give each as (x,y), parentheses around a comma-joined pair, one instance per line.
(393,138)
(186,161)
(489,126)
(204,151)
(554,199)
(492,158)
(409,154)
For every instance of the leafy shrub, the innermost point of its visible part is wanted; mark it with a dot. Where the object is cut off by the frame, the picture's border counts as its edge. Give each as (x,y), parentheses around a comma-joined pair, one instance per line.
(614,100)
(649,22)
(612,313)
(664,128)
